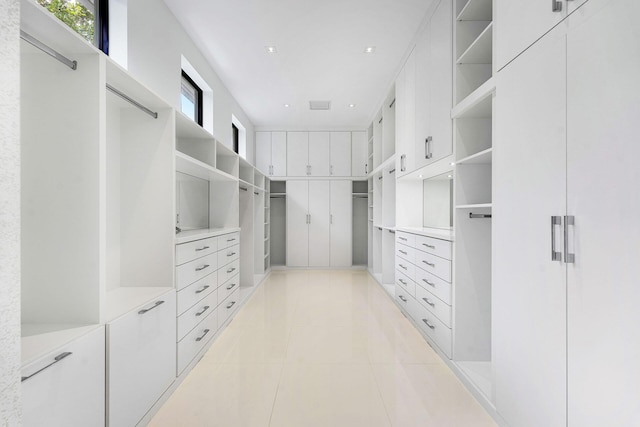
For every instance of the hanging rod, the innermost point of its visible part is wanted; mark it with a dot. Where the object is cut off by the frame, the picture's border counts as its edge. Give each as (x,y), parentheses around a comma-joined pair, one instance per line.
(244,188)
(360,197)
(392,102)
(472,215)
(278,197)
(392,171)
(391,231)
(132,101)
(49,51)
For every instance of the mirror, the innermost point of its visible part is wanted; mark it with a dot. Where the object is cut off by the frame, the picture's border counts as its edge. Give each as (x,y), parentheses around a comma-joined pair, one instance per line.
(438,198)
(192,202)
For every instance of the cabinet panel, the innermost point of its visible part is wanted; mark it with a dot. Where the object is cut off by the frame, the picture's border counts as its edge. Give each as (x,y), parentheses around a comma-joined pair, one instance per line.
(319,153)
(529,289)
(359,153)
(409,120)
(319,232)
(341,222)
(195,340)
(297,223)
(279,153)
(263,152)
(193,293)
(298,153)
(340,154)
(422,93)
(194,270)
(188,251)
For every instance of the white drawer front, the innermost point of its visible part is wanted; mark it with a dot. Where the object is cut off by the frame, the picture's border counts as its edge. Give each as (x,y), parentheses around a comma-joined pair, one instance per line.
(434,304)
(405,267)
(405,238)
(195,270)
(433,327)
(228,240)
(406,252)
(406,284)
(441,248)
(434,284)
(228,306)
(188,320)
(141,359)
(228,287)
(194,341)
(70,392)
(186,252)
(228,271)
(435,265)
(227,255)
(193,293)
(403,298)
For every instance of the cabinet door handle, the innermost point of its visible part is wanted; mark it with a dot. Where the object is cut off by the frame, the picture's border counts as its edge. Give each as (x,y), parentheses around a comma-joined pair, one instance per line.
(403,163)
(203,267)
(429,283)
(402,238)
(202,248)
(308,169)
(402,252)
(402,266)
(231,286)
(199,291)
(231,254)
(201,312)
(201,337)
(427,147)
(231,240)
(569,258)
(331,170)
(232,304)
(55,360)
(402,281)
(402,298)
(430,264)
(428,301)
(556,6)
(309,218)
(365,169)
(428,324)
(331,219)
(231,270)
(429,246)
(143,311)
(555,255)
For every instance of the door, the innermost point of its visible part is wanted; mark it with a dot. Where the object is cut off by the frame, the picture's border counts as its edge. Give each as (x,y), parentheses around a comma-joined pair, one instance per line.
(319,153)
(319,237)
(263,152)
(359,154)
(279,153)
(297,153)
(341,223)
(408,122)
(529,289)
(340,154)
(297,223)
(421,96)
(603,65)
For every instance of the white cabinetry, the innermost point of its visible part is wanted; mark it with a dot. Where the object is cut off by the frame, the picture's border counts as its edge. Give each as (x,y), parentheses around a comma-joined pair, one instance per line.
(271,153)
(319,153)
(297,232)
(297,153)
(319,219)
(406,116)
(359,153)
(341,224)
(340,154)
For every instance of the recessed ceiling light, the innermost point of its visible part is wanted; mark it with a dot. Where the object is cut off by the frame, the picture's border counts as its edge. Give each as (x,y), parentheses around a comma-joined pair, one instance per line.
(286,105)
(352,105)
(449,176)
(271,49)
(419,176)
(452,163)
(370,49)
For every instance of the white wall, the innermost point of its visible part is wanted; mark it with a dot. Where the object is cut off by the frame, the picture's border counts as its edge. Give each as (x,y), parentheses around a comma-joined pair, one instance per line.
(156,41)
(10,407)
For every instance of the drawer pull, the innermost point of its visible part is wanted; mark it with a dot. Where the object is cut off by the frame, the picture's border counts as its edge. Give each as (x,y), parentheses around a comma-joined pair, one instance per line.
(428,324)
(143,311)
(204,288)
(402,238)
(402,298)
(200,313)
(203,267)
(231,254)
(231,240)
(430,264)
(206,331)
(402,281)
(428,301)
(55,360)
(231,270)
(232,304)
(202,248)
(429,246)
(402,252)
(231,286)
(429,283)
(402,266)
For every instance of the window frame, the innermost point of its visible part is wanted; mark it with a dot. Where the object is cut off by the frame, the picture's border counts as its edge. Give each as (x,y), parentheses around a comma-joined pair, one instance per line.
(198,116)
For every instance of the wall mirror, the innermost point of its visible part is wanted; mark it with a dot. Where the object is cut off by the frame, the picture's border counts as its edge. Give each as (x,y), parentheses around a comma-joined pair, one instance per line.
(438,199)
(192,202)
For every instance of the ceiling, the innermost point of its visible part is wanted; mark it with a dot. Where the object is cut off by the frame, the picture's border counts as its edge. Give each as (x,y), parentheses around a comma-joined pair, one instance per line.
(320,54)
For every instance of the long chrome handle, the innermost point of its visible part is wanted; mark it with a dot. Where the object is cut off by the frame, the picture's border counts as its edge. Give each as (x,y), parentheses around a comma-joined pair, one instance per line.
(402,298)
(402,238)
(331,170)
(309,218)
(569,258)
(427,147)
(428,324)
(430,264)
(202,248)
(55,360)
(402,252)
(402,266)
(231,270)
(204,288)
(231,305)
(231,254)
(555,255)
(402,281)
(556,6)
(143,311)
(429,283)
(231,286)
(331,219)
(428,301)
(206,331)
(365,169)
(203,267)
(201,312)
(231,240)
(403,163)
(429,246)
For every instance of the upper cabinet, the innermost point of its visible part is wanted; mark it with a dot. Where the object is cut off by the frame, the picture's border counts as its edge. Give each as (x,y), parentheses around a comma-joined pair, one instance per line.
(359,153)
(297,153)
(271,153)
(406,116)
(340,150)
(319,154)
(314,154)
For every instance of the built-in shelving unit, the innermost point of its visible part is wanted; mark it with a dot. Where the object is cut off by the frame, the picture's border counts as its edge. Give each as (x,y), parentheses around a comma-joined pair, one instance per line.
(278,223)
(360,210)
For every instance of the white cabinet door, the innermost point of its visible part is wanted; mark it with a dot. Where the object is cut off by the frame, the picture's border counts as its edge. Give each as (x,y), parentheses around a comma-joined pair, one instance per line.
(298,153)
(529,289)
(319,211)
(359,153)
(422,93)
(278,153)
(297,223)
(141,359)
(602,185)
(341,222)
(406,117)
(521,23)
(340,154)
(69,392)
(319,153)
(263,152)
(573,5)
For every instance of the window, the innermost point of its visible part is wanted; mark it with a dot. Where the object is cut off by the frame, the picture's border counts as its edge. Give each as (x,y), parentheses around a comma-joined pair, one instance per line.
(191,99)
(236,138)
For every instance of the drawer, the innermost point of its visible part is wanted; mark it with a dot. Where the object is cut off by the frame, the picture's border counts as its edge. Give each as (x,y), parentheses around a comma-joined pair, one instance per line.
(434,264)
(194,270)
(434,304)
(228,271)
(433,328)
(190,319)
(228,306)
(439,247)
(141,359)
(194,341)
(228,287)
(407,284)
(402,298)
(228,240)
(227,255)
(193,293)
(406,239)
(405,267)
(406,252)
(69,391)
(434,284)
(186,252)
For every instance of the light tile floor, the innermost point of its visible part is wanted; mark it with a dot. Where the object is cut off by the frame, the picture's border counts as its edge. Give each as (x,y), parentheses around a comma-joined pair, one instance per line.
(326,349)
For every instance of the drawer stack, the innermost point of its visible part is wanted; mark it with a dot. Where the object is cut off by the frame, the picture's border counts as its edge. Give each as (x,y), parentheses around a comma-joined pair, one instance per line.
(423,284)
(208,284)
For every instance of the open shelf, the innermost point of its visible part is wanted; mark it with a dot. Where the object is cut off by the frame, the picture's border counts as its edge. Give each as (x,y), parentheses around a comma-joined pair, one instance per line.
(476,10)
(474,206)
(188,129)
(480,51)
(190,166)
(482,158)
(477,104)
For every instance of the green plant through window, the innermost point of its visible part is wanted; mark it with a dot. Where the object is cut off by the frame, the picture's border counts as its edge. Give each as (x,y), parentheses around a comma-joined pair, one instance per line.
(74,14)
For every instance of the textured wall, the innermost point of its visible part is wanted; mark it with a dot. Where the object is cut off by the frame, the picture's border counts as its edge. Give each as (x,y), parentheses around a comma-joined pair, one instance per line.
(9,212)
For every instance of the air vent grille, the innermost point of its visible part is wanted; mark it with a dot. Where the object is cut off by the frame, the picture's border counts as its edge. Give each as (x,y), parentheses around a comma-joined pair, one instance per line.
(319,105)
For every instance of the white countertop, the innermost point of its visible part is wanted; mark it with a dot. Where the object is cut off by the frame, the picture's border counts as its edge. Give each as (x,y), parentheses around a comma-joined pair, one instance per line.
(436,233)
(186,236)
